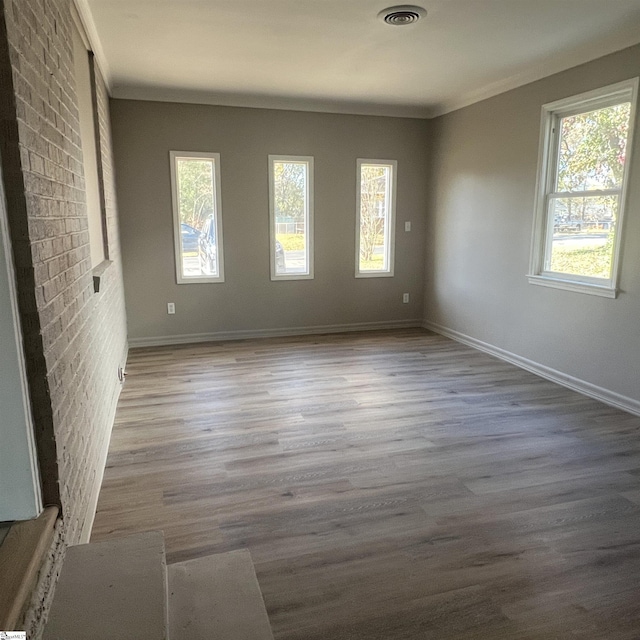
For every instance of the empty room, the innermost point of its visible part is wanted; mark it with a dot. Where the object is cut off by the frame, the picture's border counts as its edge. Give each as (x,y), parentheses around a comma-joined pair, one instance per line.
(319,319)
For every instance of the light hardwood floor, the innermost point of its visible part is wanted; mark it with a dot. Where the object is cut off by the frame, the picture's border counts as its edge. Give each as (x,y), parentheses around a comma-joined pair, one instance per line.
(389,485)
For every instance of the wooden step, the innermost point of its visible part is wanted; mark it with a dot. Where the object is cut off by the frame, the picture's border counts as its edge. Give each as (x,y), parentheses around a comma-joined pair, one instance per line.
(113,590)
(216,598)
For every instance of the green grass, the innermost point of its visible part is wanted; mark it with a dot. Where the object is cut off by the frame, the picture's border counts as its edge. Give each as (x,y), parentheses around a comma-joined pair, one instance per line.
(291,241)
(589,261)
(376,263)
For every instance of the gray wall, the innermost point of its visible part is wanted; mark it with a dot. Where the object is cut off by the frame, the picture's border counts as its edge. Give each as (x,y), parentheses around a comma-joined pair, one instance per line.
(145,132)
(479,235)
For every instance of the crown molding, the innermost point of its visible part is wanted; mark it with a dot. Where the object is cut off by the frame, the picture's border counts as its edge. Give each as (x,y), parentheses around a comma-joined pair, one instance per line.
(626,36)
(86,18)
(257,101)
(622,39)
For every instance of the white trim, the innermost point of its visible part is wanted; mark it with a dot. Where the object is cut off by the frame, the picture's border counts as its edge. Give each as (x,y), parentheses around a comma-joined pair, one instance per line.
(80,11)
(594,99)
(17,506)
(263,101)
(618,40)
(217,202)
(541,236)
(309,196)
(157,341)
(390,235)
(588,389)
(571,285)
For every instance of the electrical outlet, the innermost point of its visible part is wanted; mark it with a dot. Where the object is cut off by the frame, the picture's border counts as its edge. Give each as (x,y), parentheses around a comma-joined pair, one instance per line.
(171,308)
(405,298)
(407,226)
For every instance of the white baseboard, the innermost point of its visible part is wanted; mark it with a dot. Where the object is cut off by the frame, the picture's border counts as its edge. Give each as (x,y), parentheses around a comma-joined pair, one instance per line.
(576,384)
(158,341)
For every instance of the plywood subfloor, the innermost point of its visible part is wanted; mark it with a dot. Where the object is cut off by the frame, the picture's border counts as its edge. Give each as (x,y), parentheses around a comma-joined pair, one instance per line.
(389,485)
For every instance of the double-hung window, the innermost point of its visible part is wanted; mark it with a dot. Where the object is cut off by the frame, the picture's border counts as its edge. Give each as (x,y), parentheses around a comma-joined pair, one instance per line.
(375,215)
(291,217)
(197,217)
(583,173)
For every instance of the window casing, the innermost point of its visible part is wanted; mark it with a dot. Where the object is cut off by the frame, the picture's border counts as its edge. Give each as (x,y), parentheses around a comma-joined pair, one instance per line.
(583,172)
(197,217)
(375,218)
(291,217)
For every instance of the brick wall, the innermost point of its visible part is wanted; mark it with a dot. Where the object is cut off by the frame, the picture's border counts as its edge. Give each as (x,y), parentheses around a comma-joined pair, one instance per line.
(75,339)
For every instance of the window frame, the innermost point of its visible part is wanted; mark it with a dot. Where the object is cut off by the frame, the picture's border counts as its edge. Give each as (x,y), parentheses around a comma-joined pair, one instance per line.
(391,249)
(217,199)
(552,113)
(309,219)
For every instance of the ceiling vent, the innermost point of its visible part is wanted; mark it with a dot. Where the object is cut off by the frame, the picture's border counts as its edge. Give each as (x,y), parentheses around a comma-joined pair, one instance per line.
(402,15)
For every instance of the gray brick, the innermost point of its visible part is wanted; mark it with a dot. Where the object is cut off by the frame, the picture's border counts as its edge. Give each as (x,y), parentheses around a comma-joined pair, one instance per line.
(75,340)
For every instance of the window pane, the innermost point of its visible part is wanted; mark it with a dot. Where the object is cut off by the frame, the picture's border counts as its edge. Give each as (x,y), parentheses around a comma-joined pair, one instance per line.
(593,149)
(583,235)
(197,212)
(291,217)
(375,217)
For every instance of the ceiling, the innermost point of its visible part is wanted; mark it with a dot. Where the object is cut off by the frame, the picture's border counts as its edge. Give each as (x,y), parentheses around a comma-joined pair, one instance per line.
(337,56)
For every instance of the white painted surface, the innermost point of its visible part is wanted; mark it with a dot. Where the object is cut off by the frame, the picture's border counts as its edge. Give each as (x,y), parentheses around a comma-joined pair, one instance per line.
(19,481)
(626,91)
(479,238)
(338,56)
(575,384)
(189,338)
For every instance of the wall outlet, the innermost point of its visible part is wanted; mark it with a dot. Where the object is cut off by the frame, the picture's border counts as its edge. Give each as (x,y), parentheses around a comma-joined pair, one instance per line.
(405,298)
(171,308)
(407,226)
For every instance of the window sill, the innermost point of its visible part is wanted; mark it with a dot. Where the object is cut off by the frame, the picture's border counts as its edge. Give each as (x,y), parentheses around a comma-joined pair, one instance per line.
(98,272)
(199,280)
(308,276)
(374,274)
(572,285)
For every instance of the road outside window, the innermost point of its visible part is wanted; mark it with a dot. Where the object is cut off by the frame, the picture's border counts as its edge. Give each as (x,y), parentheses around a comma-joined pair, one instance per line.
(198,229)
(291,212)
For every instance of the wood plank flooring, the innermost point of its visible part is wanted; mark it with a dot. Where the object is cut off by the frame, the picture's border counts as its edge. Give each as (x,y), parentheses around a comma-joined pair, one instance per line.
(389,485)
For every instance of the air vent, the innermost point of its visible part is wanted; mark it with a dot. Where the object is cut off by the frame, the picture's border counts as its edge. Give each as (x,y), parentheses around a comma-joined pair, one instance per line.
(402,15)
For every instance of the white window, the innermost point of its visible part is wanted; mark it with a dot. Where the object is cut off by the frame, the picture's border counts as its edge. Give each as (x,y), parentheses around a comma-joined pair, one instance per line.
(291,217)
(197,217)
(376,214)
(583,172)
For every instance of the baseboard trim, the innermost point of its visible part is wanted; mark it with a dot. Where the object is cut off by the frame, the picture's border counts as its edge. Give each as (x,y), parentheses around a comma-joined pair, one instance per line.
(576,384)
(159,341)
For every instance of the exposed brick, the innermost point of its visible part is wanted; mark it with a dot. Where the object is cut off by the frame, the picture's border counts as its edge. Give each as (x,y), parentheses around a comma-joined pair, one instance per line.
(74,339)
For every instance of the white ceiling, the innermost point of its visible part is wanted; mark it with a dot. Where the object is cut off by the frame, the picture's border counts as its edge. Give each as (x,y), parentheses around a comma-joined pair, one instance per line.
(335,55)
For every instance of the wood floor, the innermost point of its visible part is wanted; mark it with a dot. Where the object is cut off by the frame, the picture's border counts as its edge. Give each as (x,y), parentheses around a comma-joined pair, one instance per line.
(389,485)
